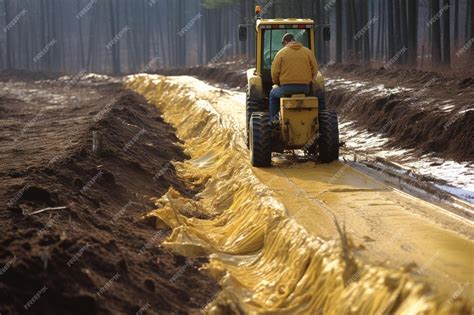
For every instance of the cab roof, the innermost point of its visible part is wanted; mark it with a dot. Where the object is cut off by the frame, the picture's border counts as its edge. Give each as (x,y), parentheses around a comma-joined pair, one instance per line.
(284,22)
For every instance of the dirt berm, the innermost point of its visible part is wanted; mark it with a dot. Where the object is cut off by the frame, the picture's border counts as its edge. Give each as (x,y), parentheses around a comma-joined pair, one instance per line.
(94,254)
(424,111)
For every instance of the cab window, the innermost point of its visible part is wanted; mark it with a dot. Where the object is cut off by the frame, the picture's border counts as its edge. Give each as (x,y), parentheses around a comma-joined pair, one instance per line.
(272,43)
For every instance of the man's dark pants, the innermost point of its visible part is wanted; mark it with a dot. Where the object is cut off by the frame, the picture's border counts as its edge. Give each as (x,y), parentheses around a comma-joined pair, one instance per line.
(287,90)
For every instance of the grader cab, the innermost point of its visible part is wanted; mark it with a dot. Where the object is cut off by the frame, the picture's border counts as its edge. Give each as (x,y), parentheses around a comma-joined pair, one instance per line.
(303,123)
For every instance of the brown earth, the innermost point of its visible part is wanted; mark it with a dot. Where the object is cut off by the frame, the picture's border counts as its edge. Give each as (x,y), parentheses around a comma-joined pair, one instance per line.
(27,76)
(435,113)
(96,255)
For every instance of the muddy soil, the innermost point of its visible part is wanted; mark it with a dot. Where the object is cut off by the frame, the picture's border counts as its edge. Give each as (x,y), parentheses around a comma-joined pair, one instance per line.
(427,112)
(91,252)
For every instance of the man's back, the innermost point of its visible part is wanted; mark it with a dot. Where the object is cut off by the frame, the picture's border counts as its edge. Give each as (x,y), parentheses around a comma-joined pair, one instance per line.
(294,64)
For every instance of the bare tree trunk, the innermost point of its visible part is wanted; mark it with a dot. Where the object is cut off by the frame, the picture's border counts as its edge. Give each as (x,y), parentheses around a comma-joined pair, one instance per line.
(59,32)
(243,45)
(320,20)
(412,32)
(467,27)
(471,24)
(9,48)
(373,38)
(381,29)
(366,39)
(161,38)
(404,28)
(471,18)
(51,33)
(353,31)
(338,31)
(114,44)
(456,23)
(446,34)
(391,30)
(436,34)
(397,27)
(81,37)
(91,55)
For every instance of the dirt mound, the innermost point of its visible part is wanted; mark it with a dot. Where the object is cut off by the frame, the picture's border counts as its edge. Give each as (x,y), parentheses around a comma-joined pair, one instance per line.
(91,252)
(30,76)
(232,75)
(402,76)
(424,111)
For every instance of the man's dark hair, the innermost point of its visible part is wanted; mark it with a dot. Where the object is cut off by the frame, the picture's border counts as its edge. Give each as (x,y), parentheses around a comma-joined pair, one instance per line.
(288,37)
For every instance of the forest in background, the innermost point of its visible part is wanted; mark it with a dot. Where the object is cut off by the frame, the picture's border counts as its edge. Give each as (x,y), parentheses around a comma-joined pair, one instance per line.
(126,36)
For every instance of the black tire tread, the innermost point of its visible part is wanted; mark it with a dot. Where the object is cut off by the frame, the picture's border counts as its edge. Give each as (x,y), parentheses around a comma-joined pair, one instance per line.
(251,107)
(328,136)
(262,139)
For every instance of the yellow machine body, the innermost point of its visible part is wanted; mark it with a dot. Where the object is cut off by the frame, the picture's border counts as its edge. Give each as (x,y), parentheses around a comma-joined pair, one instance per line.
(299,121)
(302,125)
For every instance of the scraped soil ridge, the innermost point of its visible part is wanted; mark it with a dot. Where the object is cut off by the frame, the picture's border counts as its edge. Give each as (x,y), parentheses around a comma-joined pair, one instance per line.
(94,254)
(424,111)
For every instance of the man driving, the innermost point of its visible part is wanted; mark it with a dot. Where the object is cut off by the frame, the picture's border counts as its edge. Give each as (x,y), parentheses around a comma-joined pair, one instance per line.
(293,69)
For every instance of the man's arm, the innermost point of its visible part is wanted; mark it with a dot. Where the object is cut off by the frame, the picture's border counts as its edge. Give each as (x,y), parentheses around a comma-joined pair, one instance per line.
(276,69)
(314,64)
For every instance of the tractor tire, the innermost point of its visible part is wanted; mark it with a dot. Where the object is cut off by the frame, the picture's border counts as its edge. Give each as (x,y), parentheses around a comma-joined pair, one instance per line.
(328,142)
(260,136)
(252,107)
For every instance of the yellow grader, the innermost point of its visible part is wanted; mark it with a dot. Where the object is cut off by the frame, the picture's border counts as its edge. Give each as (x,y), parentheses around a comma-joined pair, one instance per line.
(302,124)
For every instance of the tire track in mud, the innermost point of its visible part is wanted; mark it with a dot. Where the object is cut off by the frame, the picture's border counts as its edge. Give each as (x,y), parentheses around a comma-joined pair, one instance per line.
(264,260)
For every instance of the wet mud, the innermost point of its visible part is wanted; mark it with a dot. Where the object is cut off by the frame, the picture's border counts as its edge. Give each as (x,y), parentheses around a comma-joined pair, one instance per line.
(428,113)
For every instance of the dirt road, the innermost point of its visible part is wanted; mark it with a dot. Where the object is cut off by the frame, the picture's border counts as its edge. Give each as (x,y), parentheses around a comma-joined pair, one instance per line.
(271,231)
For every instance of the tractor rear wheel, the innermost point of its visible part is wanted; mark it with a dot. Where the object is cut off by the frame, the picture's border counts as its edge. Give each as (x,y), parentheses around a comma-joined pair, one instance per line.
(328,136)
(260,138)
(252,107)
